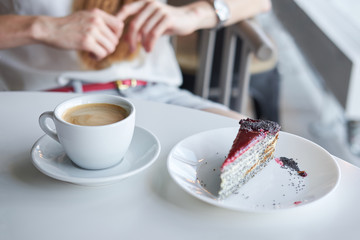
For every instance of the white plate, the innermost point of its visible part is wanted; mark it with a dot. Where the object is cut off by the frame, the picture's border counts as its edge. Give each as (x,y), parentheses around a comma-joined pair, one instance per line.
(195,161)
(49,157)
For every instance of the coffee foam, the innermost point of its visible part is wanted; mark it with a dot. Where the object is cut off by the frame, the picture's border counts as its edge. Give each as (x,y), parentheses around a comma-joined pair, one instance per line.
(95,114)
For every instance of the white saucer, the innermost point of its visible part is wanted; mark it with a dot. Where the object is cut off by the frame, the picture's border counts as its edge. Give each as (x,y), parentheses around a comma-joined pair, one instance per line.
(49,157)
(194,164)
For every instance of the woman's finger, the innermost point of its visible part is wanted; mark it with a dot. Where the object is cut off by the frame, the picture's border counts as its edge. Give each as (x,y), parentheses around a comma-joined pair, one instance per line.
(157,31)
(107,33)
(137,23)
(102,40)
(113,23)
(91,45)
(129,10)
(151,22)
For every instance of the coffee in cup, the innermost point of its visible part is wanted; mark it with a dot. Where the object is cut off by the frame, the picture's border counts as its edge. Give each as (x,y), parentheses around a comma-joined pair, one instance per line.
(94,130)
(95,114)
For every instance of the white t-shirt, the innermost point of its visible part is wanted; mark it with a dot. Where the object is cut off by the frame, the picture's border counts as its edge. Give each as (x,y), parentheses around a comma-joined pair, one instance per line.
(39,67)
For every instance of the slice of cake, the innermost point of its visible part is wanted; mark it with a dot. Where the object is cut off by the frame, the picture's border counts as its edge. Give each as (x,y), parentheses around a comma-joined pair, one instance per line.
(252,149)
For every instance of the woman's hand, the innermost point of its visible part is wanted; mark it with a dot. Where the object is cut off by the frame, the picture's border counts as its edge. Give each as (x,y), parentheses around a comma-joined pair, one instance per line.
(93,31)
(98,32)
(148,20)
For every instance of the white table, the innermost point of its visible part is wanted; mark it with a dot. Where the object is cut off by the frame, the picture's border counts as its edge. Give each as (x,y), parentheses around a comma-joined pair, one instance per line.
(149,205)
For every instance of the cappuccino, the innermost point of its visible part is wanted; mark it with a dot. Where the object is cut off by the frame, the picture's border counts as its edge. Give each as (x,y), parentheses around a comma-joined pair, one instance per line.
(95,114)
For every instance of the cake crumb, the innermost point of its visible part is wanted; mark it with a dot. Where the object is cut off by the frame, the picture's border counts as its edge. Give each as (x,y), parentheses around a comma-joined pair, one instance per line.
(291,164)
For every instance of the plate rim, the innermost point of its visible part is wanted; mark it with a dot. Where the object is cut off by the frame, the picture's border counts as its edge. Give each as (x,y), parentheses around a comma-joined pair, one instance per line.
(96,181)
(219,203)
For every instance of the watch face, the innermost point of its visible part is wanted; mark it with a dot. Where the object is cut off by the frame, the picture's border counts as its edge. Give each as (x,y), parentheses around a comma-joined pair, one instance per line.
(222,10)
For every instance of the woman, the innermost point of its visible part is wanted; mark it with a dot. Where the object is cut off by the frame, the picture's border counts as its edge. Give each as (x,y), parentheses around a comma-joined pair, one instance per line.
(47,45)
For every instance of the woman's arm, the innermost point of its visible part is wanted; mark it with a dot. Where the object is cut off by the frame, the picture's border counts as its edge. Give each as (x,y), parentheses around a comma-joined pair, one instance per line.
(16,30)
(94,31)
(151,19)
(204,14)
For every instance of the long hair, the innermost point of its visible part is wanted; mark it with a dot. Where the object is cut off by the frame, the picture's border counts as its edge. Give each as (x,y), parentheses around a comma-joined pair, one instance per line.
(122,51)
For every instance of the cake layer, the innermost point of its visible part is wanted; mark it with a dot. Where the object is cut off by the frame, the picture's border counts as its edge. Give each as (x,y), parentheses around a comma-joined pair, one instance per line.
(235,175)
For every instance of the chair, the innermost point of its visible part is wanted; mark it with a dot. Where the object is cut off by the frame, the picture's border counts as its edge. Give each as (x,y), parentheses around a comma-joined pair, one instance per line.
(253,41)
(243,40)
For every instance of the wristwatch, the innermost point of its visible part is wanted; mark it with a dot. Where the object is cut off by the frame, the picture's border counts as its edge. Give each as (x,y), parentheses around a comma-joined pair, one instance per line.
(222,12)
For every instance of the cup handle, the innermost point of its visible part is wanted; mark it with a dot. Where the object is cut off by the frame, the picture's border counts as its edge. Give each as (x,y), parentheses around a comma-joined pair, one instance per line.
(44,125)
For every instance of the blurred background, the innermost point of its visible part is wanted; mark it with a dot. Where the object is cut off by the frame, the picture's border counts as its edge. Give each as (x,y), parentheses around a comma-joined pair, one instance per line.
(319,57)
(311,83)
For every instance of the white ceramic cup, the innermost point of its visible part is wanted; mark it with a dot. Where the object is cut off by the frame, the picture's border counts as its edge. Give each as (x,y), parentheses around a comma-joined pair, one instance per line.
(91,147)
